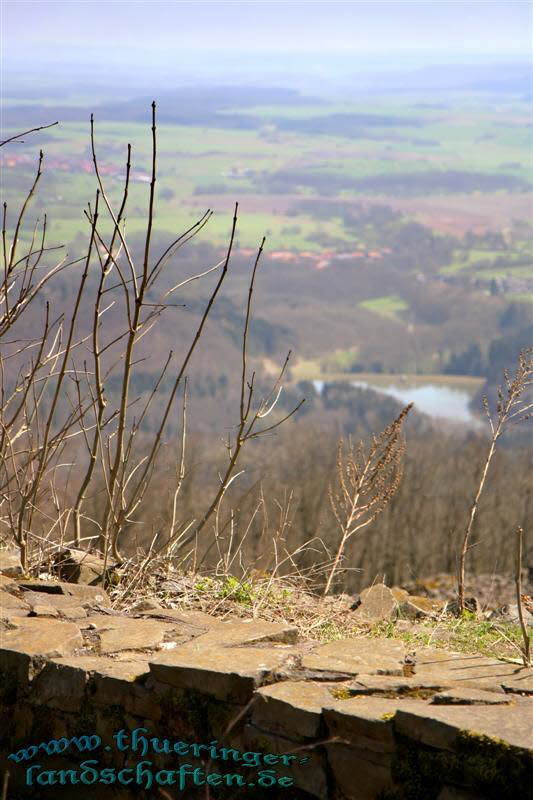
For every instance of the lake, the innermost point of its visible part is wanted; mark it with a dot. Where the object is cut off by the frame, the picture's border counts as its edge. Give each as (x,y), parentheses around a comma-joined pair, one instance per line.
(437,400)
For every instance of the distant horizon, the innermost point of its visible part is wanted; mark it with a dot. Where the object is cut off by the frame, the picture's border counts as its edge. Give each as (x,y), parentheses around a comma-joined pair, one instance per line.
(261,28)
(319,76)
(113,50)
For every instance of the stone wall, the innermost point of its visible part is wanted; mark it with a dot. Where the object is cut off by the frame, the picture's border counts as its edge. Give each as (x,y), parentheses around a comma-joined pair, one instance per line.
(355,719)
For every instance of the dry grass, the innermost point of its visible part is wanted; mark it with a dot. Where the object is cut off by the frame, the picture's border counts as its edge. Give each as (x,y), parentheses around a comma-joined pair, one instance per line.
(316,618)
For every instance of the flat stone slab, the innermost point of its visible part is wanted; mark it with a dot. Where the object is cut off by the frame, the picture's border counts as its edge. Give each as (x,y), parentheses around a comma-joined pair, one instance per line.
(94,595)
(194,617)
(360,655)
(122,684)
(41,585)
(90,594)
(390,686)
(366,721)
(471,697)
(249,632)
(520,685)
(59,601)
(48,611)
(292,708)
(45,638)
(62,682)
(438,692)
(227,673)
(472,671)
(12,606)
(117,634)
(439,726)
(58,605)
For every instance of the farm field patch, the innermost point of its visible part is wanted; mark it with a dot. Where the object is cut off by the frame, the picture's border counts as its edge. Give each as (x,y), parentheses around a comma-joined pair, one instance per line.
(387,306)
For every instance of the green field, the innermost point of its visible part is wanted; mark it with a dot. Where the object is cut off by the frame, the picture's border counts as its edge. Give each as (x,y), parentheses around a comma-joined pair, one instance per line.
(221,165)
(312,183)
(388,306)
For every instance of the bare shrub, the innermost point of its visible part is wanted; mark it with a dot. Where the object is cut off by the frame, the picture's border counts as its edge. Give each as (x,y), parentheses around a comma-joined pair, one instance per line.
(76,459)
(513,406)
(366,482)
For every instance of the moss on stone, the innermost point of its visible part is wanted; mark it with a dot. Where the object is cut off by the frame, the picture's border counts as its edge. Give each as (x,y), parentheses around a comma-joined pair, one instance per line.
(341,693)
(494,765)
(185,712)
(488,767)
(417,692)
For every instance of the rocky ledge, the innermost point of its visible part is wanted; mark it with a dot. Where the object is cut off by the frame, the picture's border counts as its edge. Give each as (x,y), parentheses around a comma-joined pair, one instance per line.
(169,703)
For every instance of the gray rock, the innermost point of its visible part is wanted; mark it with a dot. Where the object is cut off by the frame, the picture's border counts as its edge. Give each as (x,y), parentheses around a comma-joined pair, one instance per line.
(292,708)
(60,685)
(142,606)
(418,607)
(439,726)
(193,617)
(57,605)
(307,767)
(471,604)
(44,638)
(117,634)
(250,632)
(12,606)
(470,671)
(227,673)
(90,595)
(389,686)
(509,613)
(358,773)
(10,563)
(470,697)
(519,684)
(360,655)
(121,683)
(375,603)
(366,721)
(79,566)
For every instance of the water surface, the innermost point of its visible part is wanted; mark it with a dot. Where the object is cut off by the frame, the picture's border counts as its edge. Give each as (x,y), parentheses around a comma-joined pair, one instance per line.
(437,400)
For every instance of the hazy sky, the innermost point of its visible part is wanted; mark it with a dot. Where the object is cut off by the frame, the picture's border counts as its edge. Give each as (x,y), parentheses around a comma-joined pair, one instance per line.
(156,27)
